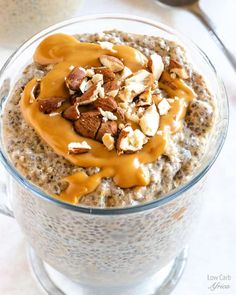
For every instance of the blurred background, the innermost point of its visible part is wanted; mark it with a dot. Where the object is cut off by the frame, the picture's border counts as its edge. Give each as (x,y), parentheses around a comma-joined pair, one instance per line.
(212,250)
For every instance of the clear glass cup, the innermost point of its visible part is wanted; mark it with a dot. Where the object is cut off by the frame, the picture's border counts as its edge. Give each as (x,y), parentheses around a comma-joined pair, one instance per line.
(133,250)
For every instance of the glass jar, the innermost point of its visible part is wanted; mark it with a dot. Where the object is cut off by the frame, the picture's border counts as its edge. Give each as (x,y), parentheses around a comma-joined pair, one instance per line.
(117,249)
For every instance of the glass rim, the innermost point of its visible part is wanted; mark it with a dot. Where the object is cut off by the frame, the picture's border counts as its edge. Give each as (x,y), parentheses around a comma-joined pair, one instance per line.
(168,197)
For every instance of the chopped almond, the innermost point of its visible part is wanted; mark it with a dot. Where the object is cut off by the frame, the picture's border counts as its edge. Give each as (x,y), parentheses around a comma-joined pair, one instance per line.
(149,122)
(156,65)
(109,141)
(112,63)
(130,140)
(107,45)
(78,147)
(163,107)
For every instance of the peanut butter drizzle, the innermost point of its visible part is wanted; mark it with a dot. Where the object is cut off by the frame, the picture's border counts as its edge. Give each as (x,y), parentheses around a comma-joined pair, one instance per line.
(127,169)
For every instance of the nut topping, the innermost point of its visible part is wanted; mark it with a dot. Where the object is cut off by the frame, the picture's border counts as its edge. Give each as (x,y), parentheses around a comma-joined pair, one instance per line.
(109,141)
(103,98)
(163,107)
(88,96)
(111,88)
(75,78)
(72,113)
(107,127)
(130,140)
(108,75)
(107,115)
(106,104)
(156,65)
(112,63)
(51,104)
(145,98)
(107,45)
(78,147)
(177,69)
(88,124)
(149,122)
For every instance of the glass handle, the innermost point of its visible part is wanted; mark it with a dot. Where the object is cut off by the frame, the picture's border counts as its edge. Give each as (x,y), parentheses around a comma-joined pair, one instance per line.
(5,207)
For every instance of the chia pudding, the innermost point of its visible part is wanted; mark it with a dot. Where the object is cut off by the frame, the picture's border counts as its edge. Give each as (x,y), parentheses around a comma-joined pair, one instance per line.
(184,146)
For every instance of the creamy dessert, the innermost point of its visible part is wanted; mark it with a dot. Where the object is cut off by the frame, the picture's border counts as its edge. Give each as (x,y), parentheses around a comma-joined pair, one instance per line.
(108,120)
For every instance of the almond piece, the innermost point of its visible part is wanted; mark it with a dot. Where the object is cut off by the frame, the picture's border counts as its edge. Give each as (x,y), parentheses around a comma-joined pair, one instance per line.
(126,72)
(130,140)
(136,84)
(181,73)
(149,122)
(156,65)
(88,96)
(112,63)
(111,88)
(163,107)
(109,141)
(145,98)
(72,113)
(107,115)
(75,78)
(108,75)
(177,69)
(35,92)
(97,78)
(107,127)
(107,104)
(107,45)
(78,147)
(89,73)
(88,124)
(50,104)
(121,114)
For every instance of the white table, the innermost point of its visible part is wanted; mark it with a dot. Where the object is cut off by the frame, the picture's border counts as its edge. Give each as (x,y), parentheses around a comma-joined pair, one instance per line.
(212,250)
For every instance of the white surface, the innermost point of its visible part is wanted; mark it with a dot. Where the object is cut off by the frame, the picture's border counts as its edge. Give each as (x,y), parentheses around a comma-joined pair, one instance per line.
(212,250)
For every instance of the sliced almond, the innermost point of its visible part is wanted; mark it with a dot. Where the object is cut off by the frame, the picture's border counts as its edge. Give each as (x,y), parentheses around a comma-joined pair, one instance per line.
(107,115)
(107,127)
(130,140)
(107,104)
(149,122)
(109,141)
(88,124)
(163,107)
(50,104)
(107,45)
(75,78)
(156,65)
(78,147)
(72,113)
(88,96)
(112,62)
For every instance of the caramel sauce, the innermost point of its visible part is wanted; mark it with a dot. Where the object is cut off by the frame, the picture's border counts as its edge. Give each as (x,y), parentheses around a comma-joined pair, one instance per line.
(127,169)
